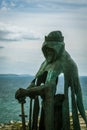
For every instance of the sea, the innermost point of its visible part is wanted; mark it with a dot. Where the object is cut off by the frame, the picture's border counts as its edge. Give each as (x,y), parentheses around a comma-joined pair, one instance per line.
(10,108)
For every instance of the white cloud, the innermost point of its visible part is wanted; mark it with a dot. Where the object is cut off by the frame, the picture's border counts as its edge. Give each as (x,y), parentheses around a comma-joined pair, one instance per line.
(4,3)
(12,4)
(4,9)
(14,33)
(4,6)
(7,6)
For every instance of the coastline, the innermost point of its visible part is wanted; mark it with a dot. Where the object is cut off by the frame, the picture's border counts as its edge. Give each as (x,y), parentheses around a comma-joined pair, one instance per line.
(17,125)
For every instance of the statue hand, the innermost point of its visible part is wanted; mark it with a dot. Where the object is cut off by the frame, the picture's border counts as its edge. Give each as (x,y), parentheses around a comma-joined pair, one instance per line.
(20,93)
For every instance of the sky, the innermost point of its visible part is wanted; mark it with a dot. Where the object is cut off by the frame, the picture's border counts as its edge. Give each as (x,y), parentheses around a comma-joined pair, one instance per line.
(24,23)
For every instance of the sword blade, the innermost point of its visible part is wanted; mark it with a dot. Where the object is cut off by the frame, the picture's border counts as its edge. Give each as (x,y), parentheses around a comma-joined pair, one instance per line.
(23,116)
(30,115)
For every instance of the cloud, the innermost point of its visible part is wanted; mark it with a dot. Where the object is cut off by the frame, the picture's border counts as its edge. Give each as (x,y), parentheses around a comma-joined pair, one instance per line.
(7,5)
(40,5)
(1,47)
(9,32)
(72,1)
(4,6)
(54,5)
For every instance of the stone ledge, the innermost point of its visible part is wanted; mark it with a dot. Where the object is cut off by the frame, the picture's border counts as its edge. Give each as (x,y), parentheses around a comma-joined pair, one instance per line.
(17,125)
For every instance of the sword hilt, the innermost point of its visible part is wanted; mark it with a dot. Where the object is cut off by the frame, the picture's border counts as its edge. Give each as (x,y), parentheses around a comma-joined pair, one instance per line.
(21,115)
(22,100)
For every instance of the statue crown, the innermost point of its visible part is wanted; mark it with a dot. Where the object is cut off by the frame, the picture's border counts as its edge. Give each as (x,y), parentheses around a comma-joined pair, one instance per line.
(55,36)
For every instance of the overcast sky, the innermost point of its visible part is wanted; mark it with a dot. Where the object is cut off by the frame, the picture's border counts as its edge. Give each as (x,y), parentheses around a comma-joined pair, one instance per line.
(24,23)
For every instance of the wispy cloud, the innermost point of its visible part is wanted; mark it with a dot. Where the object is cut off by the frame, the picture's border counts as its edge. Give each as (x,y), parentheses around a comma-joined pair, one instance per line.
(40,5)
(10,32)
(1,47)
(6,5)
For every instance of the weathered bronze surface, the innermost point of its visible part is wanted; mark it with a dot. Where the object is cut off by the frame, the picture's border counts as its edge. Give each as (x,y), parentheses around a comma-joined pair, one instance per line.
(57,61)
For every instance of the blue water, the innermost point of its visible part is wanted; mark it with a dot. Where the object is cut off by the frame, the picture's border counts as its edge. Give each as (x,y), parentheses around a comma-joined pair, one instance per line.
(9,106)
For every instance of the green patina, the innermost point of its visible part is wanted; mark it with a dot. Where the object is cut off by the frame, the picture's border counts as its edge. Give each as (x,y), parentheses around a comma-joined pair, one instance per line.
(57,61)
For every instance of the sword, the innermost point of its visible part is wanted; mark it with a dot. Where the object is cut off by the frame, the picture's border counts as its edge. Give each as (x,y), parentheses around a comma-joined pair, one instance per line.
(30,116)
(22,115)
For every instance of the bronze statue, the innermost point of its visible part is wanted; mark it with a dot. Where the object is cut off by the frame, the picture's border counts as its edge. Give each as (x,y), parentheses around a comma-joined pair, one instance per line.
(57,61)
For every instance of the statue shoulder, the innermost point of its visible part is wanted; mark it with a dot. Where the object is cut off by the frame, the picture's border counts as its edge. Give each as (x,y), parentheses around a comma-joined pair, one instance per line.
(67,61)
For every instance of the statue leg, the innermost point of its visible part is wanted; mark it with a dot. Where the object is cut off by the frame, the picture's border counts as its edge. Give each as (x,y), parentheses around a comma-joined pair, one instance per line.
(80,100)
(80,106)
(48,106)
(76,124)
(66,116)
(75,82)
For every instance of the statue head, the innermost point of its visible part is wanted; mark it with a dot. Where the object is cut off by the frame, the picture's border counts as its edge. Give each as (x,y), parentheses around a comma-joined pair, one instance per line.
(53,46)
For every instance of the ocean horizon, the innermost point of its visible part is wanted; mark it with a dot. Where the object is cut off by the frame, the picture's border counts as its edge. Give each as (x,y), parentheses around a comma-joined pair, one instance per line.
(10,109)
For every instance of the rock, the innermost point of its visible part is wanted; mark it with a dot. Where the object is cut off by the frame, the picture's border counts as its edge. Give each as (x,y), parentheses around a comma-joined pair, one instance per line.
(12,122)
(2,125)
(19,122)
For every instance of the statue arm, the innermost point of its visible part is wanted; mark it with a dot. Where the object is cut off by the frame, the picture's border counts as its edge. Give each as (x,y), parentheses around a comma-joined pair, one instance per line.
(50,82)
(34,91)
(40,90)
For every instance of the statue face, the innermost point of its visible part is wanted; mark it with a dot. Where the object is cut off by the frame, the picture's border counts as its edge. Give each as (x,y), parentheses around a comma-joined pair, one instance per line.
(53,50)
(49,55)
